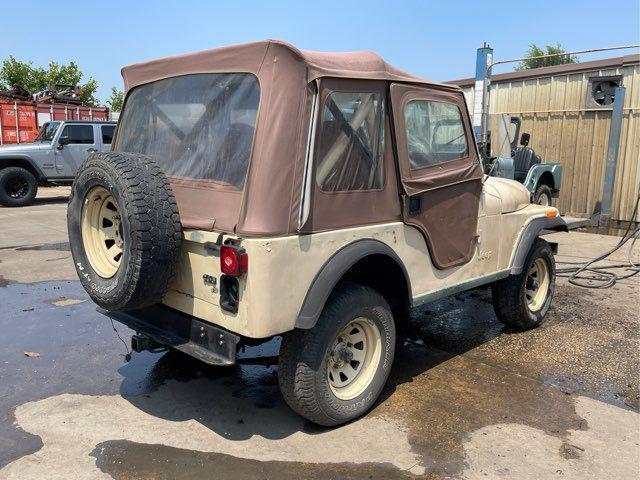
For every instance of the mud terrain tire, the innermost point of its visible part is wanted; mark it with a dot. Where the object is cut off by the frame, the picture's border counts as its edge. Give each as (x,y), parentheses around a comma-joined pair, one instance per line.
(149,230)
(18,187)
(304,357)
(510,295)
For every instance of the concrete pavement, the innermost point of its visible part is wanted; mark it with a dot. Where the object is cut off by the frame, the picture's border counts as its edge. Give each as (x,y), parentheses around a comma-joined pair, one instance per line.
(466,398)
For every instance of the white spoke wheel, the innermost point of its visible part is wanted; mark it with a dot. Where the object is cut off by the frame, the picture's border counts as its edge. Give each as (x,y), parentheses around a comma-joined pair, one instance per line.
(522,301)
(124,230)
(354,358)
(537,284)
(335,371)
(102,234)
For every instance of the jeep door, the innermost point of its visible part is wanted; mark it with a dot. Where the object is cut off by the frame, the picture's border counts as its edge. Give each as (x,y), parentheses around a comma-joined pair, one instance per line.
(81,142)
(439,169)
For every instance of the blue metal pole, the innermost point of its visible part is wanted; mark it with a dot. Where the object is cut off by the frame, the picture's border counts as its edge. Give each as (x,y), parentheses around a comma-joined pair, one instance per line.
(612,155)
(484,57)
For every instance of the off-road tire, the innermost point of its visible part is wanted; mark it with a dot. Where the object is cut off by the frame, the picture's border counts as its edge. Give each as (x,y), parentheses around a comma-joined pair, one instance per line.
(7,177)
(303,360)
(543,191)
(508,295)
(150,228)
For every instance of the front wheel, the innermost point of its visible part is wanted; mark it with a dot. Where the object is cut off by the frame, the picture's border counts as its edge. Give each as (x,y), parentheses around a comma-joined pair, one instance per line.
(18,187)
(522,301)
(334,372)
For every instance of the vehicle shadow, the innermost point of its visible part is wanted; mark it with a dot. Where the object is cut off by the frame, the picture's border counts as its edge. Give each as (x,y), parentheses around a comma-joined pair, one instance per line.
(244,400)
(51,200)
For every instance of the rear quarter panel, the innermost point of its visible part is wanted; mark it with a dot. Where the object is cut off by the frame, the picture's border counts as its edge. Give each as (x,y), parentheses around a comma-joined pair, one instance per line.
(282,269)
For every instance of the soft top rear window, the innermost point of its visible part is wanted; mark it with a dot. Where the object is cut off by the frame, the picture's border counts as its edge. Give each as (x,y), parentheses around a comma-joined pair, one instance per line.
(196,126)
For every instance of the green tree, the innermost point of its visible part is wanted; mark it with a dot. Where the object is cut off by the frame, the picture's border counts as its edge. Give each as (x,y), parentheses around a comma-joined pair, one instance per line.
(17,73)
(116,99)
(535,51)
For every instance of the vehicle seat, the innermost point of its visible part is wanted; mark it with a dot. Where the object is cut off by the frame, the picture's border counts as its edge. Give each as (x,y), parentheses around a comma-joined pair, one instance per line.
(523,159)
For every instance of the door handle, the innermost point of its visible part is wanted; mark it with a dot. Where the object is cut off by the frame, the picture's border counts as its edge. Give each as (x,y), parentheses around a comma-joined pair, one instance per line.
(415,205)
(91,150)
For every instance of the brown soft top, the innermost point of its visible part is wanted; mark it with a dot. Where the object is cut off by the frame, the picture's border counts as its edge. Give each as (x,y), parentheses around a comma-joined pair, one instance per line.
(269,204)
(252,57)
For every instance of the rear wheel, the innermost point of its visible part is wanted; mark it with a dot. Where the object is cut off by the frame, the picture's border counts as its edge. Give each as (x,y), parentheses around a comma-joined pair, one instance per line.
(335,371)
(543,196)
(18,187)
(522,301)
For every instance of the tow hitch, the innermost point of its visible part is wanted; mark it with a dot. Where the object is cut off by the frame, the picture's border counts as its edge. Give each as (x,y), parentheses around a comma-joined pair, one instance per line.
(141,343)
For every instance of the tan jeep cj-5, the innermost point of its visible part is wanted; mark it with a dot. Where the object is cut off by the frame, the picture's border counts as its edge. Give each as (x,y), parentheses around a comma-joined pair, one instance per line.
(259,190)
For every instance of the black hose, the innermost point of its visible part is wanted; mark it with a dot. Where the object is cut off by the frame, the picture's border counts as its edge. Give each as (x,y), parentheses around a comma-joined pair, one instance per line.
(583,274)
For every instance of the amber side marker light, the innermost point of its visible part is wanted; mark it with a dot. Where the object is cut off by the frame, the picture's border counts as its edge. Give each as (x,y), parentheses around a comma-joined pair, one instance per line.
(552,213)
(234,260)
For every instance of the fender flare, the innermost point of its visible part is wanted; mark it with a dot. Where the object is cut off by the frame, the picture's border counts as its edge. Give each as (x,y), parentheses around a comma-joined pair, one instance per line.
(333,270)
(23,158)
(536,171)
(529,234)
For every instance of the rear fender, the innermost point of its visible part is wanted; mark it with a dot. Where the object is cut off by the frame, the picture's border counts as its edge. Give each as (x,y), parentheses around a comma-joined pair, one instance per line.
(504,168)
(537,171)
(334,269)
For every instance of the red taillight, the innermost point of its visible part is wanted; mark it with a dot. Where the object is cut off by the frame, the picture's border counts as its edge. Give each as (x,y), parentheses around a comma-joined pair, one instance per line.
(234,260)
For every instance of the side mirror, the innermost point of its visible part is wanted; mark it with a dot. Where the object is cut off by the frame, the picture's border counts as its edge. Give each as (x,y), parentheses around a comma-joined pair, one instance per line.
(62,141)
(524,139)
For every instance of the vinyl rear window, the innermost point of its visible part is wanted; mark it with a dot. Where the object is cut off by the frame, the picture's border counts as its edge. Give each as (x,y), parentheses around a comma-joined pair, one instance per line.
(198,126)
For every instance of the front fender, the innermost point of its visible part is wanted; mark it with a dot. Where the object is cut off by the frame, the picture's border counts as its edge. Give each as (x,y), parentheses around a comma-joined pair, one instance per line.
(536,171)
(15,159)
(530,232)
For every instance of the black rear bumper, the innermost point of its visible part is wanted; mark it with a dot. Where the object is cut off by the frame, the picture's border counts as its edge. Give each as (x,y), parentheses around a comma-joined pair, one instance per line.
(171,328)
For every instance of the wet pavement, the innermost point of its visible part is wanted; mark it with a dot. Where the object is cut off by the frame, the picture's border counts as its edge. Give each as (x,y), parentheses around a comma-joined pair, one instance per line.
(466,398)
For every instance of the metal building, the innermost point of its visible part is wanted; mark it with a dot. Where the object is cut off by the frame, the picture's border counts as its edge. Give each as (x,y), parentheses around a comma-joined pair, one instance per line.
(568,110)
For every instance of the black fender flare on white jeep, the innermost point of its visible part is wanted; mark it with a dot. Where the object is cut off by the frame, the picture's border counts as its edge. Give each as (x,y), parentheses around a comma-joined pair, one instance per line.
(528,237)
(22,161)
(335,269)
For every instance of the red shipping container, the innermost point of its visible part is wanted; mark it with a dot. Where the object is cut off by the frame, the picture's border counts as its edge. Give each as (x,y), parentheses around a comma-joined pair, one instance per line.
(61,112)
(31,116)
(18,122)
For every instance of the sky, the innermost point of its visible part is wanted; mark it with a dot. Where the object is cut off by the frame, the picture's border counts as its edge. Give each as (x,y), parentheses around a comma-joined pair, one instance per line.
(436,40)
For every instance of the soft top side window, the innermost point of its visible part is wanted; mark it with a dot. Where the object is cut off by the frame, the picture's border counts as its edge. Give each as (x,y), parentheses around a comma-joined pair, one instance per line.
(351,143)
(435,133)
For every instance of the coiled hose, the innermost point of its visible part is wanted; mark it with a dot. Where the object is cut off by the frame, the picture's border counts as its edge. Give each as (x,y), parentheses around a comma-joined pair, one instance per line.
(588,275)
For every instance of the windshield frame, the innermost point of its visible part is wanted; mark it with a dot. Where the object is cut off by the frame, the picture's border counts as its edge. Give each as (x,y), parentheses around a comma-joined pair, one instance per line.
(41,138)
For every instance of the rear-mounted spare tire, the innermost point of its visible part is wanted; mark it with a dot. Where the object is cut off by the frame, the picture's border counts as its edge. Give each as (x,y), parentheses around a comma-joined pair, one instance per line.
(124,230)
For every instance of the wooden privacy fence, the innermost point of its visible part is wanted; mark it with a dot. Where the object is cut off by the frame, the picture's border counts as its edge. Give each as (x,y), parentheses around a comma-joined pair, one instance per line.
(566,126)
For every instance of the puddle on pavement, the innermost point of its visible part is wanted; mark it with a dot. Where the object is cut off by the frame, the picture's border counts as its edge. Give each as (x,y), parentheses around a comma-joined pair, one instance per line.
(122,460)
(457,372)
(443,398)
(78,353)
